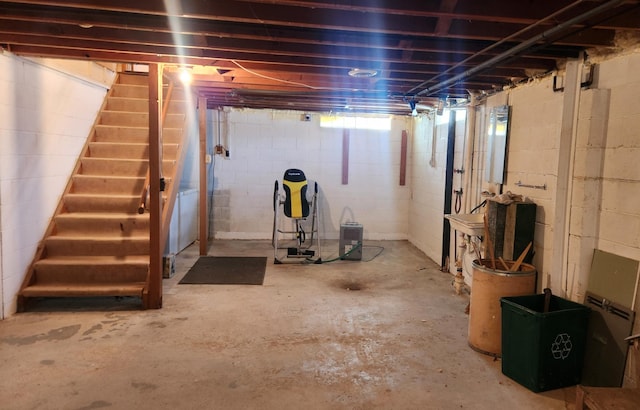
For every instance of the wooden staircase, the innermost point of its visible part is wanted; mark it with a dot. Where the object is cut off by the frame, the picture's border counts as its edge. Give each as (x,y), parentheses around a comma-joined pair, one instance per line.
(97,243)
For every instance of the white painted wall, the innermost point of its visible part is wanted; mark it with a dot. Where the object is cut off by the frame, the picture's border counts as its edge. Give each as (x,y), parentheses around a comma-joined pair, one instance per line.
(619,218)
(604,175)
(99,73)
(533,141)
(428,166)
(264,143)
(45,117)
(620,213)
(191,169)
(427,185)
(604,186)
(605,181)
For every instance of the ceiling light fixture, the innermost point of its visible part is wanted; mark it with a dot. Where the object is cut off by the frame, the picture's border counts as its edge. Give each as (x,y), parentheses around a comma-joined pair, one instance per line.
(362,73)
(185,76)
(85,25)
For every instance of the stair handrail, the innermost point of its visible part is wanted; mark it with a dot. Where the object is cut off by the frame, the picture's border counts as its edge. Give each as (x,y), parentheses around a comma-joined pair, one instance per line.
(146,186)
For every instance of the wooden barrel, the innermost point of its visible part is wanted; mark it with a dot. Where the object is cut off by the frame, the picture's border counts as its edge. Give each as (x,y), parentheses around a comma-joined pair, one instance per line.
(487,287)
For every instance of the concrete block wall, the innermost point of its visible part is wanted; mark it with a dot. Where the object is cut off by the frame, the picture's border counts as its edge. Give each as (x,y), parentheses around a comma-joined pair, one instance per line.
(619,219)
(605,177)
(620,216)
(425,194)
(428,166)
(45,117)
(607,155)
(262,144)
(532,159)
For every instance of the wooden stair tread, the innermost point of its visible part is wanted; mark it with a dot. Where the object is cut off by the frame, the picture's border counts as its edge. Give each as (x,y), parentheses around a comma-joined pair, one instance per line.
(84,289)
(80,245)
(105,224)
(115,97)
(137,144)
(104,270)
(82,196)
(97,195)
(107,159)
(134,127)
(131,160)
(106,237)
(104,215)
(117,177)
(123,177)
(132,112)
(133,84)
(95,260)
(125,111)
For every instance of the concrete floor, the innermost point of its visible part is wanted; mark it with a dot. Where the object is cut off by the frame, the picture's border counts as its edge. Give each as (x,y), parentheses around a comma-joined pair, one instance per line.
(306,339)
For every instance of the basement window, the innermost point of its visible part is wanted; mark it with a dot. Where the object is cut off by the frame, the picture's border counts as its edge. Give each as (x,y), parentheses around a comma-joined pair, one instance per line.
(380,123)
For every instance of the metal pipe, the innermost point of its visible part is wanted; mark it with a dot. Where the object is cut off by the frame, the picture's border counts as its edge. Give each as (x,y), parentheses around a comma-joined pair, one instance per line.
(496,44)
(521,47)
(520,184)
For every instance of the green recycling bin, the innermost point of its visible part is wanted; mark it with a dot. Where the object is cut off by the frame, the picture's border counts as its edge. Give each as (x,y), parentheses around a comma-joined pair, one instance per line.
(543,350)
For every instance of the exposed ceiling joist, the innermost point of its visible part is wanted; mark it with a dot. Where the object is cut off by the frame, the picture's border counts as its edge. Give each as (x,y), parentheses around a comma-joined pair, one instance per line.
(296,54)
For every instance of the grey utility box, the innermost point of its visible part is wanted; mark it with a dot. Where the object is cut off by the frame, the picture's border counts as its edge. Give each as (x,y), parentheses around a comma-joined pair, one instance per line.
(351,241)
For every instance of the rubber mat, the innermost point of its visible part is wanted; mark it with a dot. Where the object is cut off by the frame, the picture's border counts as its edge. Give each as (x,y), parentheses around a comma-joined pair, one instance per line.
(226,270)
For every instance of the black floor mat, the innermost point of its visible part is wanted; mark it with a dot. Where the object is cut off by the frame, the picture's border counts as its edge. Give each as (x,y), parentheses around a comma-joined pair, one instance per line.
(226,270)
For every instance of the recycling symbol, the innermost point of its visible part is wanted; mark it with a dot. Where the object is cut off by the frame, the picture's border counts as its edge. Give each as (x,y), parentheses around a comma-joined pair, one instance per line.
(561,347)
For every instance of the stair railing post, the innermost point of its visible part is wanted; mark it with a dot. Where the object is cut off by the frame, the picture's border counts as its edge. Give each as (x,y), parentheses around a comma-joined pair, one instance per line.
(153,299)
(204,218)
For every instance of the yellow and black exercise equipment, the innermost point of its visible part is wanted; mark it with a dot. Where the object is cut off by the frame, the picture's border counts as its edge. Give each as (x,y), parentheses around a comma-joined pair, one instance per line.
(294,202)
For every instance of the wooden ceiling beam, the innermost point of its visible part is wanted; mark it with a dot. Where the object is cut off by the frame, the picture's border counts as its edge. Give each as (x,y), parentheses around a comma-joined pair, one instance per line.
(152,29)
(304,48)
(14,25)
(252,10)
(442,28)
(67,36)
(263,15)
(493,10)
(291,58)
